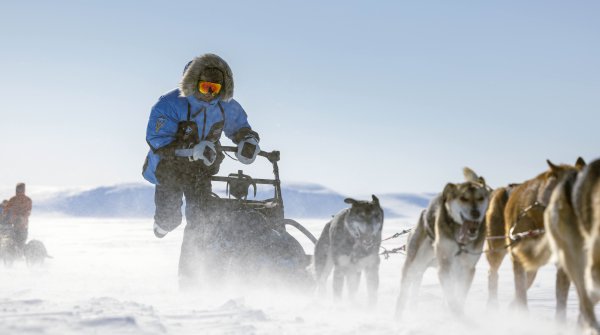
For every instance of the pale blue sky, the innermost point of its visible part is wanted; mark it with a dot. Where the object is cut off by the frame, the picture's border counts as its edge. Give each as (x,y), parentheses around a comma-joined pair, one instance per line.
(360,96)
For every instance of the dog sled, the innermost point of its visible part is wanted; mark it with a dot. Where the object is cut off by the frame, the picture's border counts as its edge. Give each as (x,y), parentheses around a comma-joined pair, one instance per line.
(9,250)
(33,252)
(250,237)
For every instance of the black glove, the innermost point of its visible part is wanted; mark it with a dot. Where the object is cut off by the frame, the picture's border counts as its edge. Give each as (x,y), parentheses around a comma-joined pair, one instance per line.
(205,151)
(247,150)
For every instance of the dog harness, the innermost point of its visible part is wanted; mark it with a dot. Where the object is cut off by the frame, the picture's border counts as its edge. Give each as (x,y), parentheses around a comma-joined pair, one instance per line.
(531,233)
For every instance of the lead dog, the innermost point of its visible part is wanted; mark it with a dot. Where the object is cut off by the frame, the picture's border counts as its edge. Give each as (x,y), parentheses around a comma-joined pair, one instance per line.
(572,222)
(449,234)
(349,244)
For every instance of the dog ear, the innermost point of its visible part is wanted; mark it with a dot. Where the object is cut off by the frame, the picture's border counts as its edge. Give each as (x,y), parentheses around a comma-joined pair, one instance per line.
(580,164)
(350,201)
(470,175)
(553,168)
(448,189)
(375,200)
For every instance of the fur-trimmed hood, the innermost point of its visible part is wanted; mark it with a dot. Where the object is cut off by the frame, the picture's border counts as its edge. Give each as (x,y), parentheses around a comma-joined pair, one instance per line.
(189,81)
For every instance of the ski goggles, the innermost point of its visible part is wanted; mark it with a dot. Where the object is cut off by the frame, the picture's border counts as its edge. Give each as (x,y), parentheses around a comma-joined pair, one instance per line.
(206,87)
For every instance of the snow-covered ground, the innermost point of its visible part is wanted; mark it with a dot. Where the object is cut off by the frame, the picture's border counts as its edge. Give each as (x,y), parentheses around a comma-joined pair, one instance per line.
(112,276)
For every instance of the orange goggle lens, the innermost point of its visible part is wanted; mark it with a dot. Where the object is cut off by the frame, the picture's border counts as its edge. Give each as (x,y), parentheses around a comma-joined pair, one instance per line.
(206,87)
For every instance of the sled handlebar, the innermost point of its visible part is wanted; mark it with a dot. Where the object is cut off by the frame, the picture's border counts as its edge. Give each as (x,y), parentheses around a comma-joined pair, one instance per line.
(272,156)
(233,179)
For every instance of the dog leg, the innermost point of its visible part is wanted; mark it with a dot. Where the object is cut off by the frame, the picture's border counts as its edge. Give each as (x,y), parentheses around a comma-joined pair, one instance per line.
(448,284)
(495,259)
(412,275)
(322,273)
(574,262)
(591,280)
(567,240)
(415,290)
(463,284)
(562,293)
(323,261)
(419,271)
(587,318)
(494,224)
(592,267)
(372,279)
(419,254)
(353,280)
(406,281)
(338,282)
(520,277)
(492,287)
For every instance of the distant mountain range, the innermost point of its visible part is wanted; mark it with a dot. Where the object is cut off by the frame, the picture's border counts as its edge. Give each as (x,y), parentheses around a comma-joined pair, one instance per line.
(137,200)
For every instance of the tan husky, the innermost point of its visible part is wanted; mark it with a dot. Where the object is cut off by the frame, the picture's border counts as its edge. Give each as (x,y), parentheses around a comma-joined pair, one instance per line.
(572,221)
(524,222)
(496,241)
(449,235)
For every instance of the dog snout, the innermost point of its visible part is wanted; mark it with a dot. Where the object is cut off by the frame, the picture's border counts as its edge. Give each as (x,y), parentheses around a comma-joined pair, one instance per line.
(475,213)
(368,240)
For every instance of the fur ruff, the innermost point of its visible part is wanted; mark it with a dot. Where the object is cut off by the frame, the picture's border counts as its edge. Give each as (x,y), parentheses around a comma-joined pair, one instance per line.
(189,81)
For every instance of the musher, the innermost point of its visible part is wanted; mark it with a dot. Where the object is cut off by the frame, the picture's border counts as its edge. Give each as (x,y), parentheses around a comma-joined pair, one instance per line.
(17,212)
(183,133)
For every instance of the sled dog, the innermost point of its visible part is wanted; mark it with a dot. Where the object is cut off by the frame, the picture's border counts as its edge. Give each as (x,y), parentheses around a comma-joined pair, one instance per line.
(449,235)
(524,223)
(349,244)
(572,222)
(496,240)
(35,253)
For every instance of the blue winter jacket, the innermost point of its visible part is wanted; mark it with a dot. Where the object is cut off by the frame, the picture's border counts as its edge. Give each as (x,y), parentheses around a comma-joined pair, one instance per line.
(172,108)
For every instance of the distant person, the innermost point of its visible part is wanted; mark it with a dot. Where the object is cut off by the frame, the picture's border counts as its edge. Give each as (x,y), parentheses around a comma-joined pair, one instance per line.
(183,133)
(18,210)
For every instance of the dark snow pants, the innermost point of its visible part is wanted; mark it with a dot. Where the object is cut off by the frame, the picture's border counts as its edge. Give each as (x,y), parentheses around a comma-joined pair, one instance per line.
(178,179)
(21,236)
(21,230)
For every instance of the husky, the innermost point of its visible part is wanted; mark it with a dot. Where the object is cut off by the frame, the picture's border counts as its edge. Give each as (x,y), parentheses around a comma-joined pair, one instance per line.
(349,244)
(572,222)
(496,240)
(449,235)
(35,253)
(528,244)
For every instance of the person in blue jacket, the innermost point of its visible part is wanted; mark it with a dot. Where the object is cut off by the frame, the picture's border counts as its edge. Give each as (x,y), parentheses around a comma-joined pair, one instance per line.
(184,131)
